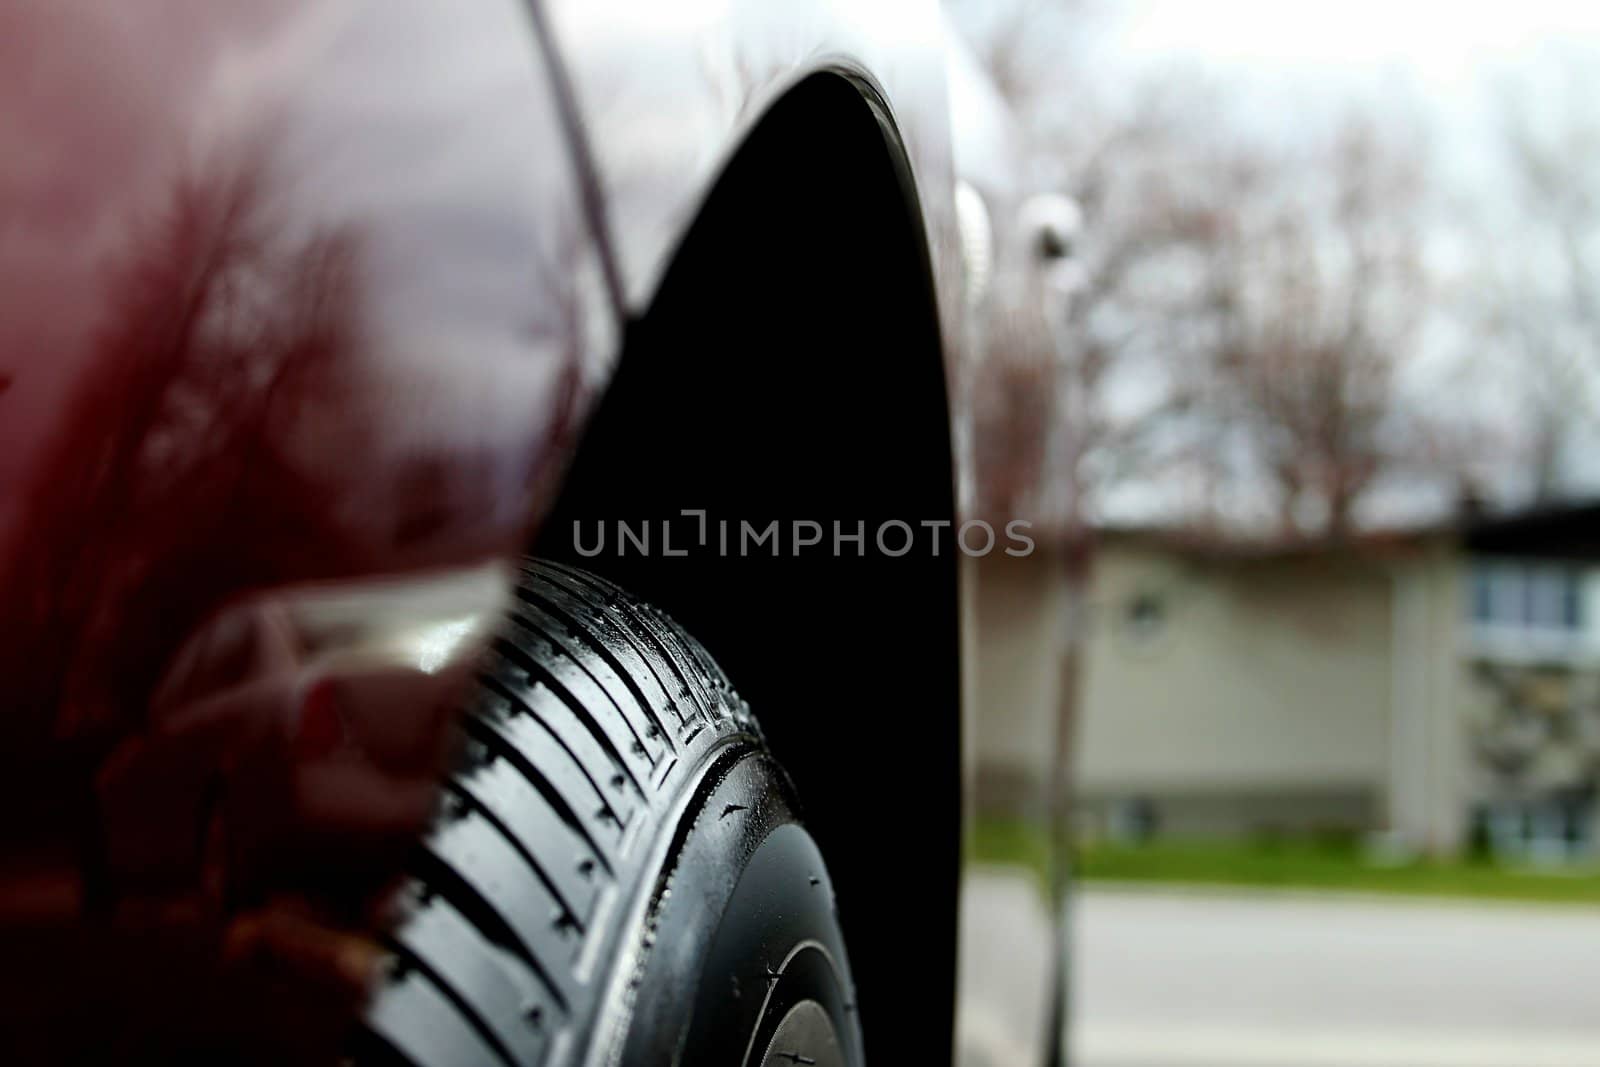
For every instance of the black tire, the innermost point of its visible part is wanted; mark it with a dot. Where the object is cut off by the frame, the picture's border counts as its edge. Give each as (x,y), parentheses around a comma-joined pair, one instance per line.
(618,875)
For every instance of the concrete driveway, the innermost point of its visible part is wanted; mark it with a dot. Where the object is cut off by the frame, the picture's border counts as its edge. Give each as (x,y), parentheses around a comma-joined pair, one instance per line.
(1223,979)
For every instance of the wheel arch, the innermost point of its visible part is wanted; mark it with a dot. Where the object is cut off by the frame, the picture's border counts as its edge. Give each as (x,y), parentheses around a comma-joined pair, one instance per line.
(790,368)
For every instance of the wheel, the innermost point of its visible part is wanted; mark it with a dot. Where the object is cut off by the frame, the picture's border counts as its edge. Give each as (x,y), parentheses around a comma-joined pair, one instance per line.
(618,875)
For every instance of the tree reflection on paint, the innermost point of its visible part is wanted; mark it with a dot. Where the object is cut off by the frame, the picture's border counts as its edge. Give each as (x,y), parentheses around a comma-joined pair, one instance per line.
(168,483)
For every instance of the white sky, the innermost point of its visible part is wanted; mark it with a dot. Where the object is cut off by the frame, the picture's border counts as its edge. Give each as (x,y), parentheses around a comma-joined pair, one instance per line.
(1446,73)
(1444,46)
(1438,69)
(1440,65)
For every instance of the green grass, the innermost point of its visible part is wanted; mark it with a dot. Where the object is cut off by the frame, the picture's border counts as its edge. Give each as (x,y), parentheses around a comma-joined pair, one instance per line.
(1011,843)
(1288,863)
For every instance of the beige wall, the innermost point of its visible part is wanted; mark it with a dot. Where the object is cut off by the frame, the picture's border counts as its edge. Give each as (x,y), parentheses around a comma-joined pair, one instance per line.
(1020,619)
(1265,675)
(1261,699)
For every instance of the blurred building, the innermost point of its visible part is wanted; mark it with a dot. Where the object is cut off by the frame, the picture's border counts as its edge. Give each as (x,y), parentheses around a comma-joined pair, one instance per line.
(1439,685)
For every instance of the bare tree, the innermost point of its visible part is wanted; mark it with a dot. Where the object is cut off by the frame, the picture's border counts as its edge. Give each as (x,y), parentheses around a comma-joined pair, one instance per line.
(1069,326)
(1241,310)
(1532,303)
(1306,302)
(221,332)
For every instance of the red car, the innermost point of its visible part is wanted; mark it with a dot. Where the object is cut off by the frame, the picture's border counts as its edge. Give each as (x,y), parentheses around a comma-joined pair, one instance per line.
(322,320)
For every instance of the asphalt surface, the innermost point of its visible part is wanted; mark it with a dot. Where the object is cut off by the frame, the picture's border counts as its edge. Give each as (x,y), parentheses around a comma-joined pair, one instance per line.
(1219,979)
(1216,978)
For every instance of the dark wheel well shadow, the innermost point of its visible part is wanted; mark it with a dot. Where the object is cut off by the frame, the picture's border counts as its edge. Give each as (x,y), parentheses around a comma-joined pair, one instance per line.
(790,369)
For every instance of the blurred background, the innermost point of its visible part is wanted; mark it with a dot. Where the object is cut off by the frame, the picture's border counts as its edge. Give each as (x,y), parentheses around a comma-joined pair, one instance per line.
(1286,337)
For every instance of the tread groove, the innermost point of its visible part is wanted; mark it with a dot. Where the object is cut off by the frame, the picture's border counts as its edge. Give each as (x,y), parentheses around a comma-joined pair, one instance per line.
(534,668)
(645,645)
(595,716)
(638,746)
(484,913)
(695,690)
(636,636)
(527,708)
(420,967)
(504,749)
(556,615)
(624,671)
(439,878)
(516,844)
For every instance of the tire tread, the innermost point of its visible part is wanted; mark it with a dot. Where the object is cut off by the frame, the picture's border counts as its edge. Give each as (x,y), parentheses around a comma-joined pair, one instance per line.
(591,713)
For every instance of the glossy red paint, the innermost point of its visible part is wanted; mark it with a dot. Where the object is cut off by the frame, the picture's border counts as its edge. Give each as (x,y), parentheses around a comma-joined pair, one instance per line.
(295,311)
(290,294)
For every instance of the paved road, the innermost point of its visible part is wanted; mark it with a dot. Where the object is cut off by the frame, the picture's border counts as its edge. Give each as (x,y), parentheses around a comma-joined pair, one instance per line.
(1005,970)
(1170,979)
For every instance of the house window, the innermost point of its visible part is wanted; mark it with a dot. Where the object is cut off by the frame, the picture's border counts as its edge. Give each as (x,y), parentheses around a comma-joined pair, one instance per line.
(1146,615)
(1482,594)
(1526,596)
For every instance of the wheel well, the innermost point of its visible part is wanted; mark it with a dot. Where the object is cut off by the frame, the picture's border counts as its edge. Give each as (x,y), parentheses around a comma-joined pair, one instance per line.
(790,369)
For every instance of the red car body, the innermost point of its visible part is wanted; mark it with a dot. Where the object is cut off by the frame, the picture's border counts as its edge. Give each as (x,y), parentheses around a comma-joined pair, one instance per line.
(306,306)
